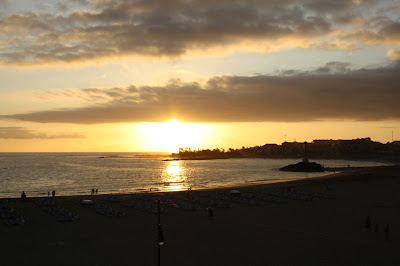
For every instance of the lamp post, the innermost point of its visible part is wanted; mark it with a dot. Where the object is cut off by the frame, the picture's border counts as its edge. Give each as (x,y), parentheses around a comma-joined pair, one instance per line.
(160,241)
(305,152)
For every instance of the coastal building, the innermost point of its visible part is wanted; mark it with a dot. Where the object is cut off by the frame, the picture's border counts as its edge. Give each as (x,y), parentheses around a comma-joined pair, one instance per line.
(293,149)
(362,148)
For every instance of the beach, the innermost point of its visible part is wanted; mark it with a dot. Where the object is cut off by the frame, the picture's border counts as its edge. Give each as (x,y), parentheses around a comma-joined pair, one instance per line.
(318,221)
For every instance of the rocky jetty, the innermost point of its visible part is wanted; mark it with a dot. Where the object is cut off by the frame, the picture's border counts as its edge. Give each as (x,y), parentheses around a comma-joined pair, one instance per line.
(303,166)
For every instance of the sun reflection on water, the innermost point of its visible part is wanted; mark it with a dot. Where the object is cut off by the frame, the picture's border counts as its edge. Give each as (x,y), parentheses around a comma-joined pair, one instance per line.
(174,176)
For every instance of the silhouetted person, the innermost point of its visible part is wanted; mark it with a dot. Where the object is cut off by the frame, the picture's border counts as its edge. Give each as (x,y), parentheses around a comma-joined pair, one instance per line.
(210,212)
(92,191)
(368,224)
(48,194)
(53,193)
(386,232)
(97,190)
(23,195)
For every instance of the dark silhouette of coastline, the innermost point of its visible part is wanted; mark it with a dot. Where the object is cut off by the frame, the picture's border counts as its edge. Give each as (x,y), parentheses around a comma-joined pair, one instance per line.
(355,149)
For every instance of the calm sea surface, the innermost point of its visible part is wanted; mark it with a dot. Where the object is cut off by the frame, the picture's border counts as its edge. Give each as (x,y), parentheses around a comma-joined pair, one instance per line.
(78,173)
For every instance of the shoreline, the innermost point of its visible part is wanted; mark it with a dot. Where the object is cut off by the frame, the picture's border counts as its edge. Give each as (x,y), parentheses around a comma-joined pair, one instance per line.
(128,184)
(254,185)
(336,174)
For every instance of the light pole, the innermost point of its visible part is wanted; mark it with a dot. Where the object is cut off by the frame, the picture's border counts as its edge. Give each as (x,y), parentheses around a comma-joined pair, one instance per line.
(305,152)
(160,241)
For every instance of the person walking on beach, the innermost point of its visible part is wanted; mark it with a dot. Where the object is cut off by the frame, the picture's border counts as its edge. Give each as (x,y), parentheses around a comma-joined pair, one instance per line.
(53,193)
(368,224)
(23,195)
(386,232)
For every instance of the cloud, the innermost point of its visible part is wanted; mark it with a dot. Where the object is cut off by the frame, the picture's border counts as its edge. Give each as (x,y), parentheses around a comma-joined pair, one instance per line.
(381,31)
(393,54)
(107,29)
(334,67)
(330,92)
(4,2)
(23,133)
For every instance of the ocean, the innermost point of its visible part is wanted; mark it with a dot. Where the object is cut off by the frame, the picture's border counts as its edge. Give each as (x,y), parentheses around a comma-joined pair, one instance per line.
(79,173)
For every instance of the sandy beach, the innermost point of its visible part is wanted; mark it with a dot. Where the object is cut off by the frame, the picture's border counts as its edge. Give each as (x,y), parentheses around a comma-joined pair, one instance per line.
(318,221)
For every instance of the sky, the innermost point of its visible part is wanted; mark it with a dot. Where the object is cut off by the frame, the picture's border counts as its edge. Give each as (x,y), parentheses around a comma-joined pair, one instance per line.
(159,75)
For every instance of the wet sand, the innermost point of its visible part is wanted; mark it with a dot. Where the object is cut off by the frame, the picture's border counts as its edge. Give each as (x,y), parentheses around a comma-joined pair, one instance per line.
(318,221)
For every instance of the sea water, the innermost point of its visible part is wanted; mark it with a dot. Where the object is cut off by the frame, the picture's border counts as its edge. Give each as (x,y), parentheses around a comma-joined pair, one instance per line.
(79,173)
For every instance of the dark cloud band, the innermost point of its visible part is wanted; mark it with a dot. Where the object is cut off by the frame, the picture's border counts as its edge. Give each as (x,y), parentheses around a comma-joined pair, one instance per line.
(330,92)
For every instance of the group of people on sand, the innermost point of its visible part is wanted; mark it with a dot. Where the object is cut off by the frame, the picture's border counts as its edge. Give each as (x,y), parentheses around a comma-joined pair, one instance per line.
(53,193)
(368,227)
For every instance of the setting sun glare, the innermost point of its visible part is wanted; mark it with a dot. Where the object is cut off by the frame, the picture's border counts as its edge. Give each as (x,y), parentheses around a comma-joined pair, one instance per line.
(172,135)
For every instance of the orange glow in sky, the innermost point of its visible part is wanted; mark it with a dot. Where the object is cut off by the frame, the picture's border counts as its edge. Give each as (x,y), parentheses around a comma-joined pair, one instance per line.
(172,135)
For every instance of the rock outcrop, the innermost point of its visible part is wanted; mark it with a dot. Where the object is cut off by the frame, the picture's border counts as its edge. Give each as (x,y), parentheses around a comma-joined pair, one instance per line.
(303,167)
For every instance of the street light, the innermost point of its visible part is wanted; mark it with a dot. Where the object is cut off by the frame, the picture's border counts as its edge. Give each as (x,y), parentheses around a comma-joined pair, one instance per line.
(160,235)
(305,160)
(160,241)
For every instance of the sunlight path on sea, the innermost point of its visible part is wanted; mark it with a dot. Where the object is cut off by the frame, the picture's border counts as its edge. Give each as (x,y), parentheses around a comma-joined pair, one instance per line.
(174,176)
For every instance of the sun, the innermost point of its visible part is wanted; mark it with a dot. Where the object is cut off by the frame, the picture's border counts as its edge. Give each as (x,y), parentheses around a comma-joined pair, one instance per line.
(172,135)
